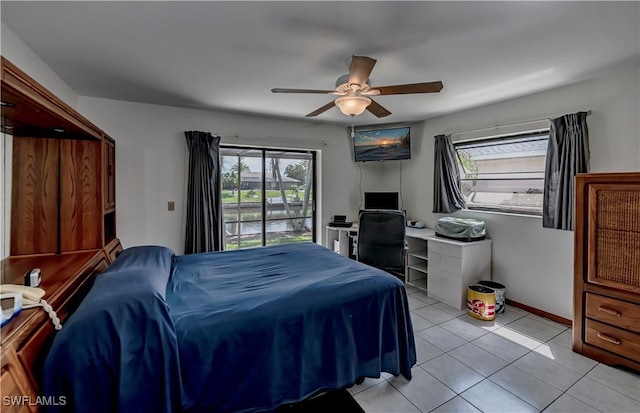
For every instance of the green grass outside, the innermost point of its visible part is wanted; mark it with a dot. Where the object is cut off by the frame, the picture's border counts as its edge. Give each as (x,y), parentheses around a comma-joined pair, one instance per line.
(247,195)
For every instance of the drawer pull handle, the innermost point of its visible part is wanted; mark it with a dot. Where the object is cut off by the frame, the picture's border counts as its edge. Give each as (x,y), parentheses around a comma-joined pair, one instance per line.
(610,311)
(609,338)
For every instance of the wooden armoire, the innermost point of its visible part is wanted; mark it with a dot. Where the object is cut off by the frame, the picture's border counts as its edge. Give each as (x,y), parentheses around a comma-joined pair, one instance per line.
(63,221)
(606,319)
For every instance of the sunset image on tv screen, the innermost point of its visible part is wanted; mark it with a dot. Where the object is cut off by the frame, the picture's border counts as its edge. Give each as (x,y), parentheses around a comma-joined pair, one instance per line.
(382,144)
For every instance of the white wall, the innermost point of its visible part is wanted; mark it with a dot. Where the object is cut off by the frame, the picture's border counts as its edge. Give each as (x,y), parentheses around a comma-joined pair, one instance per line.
(536,264)
(151,161)
(18,53)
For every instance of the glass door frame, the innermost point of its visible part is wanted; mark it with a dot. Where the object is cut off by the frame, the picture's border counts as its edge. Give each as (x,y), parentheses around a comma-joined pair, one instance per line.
(264,152)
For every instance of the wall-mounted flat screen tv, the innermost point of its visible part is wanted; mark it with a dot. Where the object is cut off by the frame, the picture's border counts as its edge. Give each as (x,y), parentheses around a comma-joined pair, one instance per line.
(382,144)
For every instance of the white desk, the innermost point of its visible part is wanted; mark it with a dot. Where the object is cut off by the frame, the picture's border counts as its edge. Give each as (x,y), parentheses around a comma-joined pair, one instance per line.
(340,240)
(342,234)
(420,233)
(442,266)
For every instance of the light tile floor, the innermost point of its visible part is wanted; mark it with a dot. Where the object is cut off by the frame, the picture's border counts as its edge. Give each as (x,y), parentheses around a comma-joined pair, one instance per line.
(518,363)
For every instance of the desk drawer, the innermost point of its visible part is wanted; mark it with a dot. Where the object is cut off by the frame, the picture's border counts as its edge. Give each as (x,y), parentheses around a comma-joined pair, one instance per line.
(615,312)
(445,248)
(445,262)
(613,339)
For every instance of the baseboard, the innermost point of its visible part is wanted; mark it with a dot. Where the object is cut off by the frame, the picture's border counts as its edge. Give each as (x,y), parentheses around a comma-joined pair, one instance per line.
(540,313)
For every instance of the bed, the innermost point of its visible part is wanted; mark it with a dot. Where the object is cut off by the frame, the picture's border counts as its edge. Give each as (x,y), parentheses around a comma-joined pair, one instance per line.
(233,331)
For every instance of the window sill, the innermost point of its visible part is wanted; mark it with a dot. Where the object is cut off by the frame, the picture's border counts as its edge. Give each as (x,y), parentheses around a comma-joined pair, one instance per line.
(511,214)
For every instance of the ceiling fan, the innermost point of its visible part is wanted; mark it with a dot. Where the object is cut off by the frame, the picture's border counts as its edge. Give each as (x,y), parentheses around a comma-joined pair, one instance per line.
(354,91)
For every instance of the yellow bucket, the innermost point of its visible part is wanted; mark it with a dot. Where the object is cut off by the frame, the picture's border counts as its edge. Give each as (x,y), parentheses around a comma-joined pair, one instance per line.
(481,302)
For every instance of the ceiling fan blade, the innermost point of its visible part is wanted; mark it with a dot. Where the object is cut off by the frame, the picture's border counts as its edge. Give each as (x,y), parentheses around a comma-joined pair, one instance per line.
(427,87)
(377,109)
(284,90)
(361,67)
(320,110)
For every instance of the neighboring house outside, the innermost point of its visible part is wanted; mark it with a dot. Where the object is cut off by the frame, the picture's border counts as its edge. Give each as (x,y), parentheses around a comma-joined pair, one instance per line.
(253,180)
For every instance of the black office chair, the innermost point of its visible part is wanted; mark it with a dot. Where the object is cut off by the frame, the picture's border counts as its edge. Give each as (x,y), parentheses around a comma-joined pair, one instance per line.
(381,239)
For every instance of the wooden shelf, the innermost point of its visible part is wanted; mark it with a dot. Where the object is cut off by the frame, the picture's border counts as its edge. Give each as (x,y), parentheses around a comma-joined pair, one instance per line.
(31,110)
(63,171)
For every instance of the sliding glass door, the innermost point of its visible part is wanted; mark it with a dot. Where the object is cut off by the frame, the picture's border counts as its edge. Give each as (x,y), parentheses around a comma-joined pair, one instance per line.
(242,182)
(289,197)
(268,196)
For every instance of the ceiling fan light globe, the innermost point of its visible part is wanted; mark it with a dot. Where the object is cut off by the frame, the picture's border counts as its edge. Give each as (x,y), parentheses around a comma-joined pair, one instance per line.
(352,105)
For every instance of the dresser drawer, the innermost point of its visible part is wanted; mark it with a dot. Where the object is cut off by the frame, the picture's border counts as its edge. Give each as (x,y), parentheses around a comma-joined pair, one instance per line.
(613,339)
(113,249)
(14,385)
(445,262)
(615,312)
(445,248)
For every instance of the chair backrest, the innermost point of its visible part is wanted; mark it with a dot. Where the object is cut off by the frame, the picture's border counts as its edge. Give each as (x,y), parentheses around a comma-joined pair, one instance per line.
(381,238)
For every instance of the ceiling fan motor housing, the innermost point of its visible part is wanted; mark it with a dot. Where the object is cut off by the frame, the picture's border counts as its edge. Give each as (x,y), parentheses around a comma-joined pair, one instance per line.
(342,84)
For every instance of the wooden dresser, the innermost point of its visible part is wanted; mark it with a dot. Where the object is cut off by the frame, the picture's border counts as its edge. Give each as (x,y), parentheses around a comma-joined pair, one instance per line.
(606,320)
(63,221)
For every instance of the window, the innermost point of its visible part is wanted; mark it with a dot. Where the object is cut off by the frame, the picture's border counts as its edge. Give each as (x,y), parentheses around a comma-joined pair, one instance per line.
(268,196)
(504,174)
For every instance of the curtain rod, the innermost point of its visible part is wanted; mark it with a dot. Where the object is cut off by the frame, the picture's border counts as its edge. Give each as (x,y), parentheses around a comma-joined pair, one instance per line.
(504,126)
(275,138)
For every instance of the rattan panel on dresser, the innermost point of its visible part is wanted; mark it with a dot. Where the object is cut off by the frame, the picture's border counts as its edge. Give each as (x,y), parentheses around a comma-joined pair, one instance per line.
(606,320)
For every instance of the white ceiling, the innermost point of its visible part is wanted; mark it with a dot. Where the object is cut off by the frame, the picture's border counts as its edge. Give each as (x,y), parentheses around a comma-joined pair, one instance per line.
(228,55)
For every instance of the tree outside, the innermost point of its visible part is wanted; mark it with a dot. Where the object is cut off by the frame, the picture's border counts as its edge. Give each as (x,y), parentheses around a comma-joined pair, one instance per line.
(297,171)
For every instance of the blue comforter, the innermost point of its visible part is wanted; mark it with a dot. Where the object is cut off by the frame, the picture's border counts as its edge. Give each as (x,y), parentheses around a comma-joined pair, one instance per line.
(237,331)
(261,327)
(118,352)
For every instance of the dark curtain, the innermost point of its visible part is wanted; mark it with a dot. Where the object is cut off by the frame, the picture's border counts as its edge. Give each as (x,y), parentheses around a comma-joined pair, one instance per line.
(204,202)
(567,155)
(446,177)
